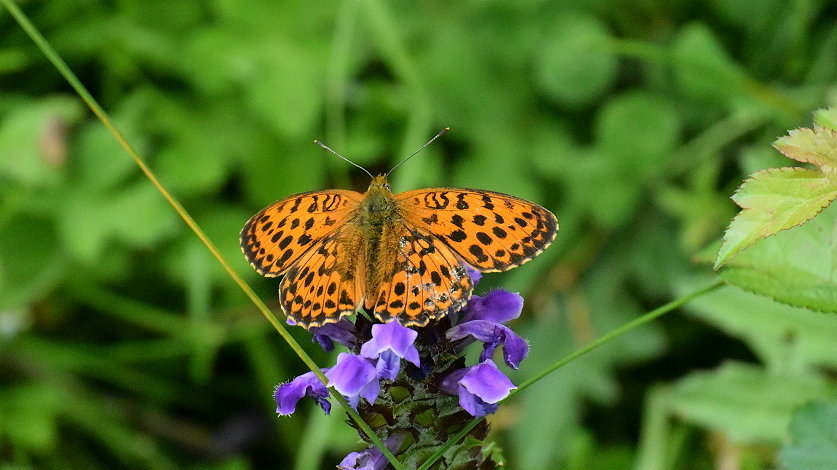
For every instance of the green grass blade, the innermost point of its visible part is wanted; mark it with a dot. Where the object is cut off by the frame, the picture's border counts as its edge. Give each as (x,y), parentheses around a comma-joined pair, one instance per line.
(94,106)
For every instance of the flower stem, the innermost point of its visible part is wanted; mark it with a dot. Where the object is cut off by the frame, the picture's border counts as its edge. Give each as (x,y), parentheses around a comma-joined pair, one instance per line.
(652,315)
(100,113)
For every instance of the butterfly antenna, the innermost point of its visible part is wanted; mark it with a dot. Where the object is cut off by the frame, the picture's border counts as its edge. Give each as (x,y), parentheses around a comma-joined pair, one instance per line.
(440,134)
(344,158)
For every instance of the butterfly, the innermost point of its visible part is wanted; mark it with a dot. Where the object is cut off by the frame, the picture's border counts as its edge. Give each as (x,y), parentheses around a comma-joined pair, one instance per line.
(400,256)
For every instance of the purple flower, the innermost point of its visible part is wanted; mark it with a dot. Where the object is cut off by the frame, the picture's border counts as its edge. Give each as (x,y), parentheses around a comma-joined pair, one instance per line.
(355,378)
(498,306)
(492,335)
(473,274)
(479,387)
(288,394)
(483,321)
(389,344)
(372,458)
(342,332)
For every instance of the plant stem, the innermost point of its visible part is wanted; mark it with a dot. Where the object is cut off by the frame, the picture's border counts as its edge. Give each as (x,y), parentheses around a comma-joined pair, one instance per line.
(94,106)
(652,315)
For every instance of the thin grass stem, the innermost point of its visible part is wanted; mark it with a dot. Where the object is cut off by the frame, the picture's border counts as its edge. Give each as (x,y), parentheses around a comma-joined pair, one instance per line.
(94,106)
(652,315)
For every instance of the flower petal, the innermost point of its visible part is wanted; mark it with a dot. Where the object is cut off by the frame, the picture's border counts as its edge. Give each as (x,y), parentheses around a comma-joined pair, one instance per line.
(391,336)
(371,390)
(371,458)
(342,332)
(498,306)
(479,387)
(388,365)
(515,349)
(288,394)
(474,405)
(487,382)
(450,384)
(473,274)
(492,334)
(351,374)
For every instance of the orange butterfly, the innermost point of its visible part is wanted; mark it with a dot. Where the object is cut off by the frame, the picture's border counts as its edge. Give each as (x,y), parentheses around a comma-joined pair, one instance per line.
(399,255)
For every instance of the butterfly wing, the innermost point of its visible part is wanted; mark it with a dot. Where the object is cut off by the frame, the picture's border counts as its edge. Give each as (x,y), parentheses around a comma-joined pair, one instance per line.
(325,284)
(284,231)
(488,230)
(422,280)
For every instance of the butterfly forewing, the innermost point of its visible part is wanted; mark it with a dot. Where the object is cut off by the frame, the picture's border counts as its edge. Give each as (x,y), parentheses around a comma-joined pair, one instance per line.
(488,230)
(280,234)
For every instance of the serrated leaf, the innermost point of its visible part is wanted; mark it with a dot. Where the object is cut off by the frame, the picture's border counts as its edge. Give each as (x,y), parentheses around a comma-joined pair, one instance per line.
(814,438)
(774,200)
(795,267)
(817,146)
(780,198)
(745,402)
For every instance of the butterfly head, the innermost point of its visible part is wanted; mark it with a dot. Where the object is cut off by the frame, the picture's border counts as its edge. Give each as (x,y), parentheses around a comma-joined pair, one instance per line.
(378,198)
(380,183)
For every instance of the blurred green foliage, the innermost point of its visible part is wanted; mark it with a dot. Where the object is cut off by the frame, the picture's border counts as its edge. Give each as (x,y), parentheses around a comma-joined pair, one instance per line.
(123,343)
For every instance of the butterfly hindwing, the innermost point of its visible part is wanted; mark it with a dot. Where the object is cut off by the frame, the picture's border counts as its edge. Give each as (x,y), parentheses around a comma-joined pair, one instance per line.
(488,230)
(423,281)
(280,234)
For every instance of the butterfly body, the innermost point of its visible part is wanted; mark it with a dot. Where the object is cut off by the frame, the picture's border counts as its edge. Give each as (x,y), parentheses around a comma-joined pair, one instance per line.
(400,256)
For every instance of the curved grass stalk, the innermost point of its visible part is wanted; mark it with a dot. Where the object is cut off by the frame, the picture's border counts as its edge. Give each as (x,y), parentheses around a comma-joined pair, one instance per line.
(100,113)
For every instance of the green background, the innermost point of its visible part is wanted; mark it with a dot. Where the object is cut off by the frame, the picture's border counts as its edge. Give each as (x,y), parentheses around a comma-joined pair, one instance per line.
(124,344)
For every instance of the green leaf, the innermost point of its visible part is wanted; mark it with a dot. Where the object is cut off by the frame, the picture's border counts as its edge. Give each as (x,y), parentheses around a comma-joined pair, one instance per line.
(745,402)
(703,68)
(637,131)
(137,215)
(33,140)
(83,230)
(817,146)
(780,198)
(814,438)
(577,65)
(140,216)
(615,197)
(826,118)
(774,200)
(698,206)
(288,93)
(795,266)
(30,264)
(783,337)
(29,412)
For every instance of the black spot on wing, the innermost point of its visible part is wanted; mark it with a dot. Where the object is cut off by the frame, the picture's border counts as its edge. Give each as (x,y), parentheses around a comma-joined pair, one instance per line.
(458,236)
